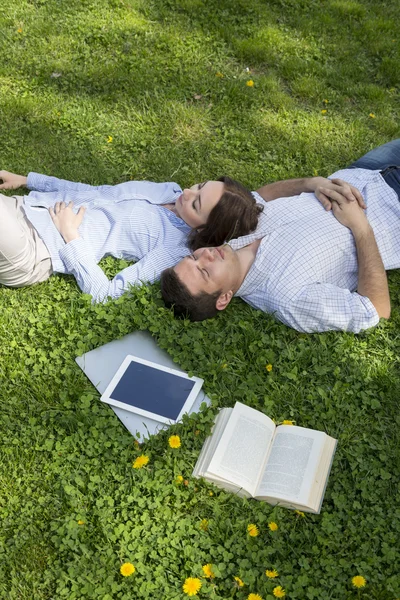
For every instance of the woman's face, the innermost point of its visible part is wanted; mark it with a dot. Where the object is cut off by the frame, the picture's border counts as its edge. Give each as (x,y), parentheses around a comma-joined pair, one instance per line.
(195,204)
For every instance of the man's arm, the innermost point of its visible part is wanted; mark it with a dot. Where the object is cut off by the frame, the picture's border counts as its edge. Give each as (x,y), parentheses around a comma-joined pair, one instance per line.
(372,279)
(324,189)
(321,307)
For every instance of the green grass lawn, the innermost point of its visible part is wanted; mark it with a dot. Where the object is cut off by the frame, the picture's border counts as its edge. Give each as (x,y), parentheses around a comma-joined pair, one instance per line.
(103,91)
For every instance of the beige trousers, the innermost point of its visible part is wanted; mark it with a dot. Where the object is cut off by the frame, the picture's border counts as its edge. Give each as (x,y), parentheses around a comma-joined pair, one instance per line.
(24,258)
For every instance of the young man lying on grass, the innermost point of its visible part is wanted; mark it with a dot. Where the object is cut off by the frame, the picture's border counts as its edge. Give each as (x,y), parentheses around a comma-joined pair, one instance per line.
(154,223)
(316,266)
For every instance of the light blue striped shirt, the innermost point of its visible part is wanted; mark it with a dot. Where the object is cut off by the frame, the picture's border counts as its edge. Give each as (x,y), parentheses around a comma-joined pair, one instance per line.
(306,271)
(125,221)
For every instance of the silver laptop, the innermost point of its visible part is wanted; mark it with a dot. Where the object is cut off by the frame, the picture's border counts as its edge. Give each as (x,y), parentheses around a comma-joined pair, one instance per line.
(100,366)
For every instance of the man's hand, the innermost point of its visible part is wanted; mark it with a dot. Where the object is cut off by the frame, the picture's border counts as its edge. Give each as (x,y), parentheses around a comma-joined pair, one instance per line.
(350,214)
(372,280)
(66,221)
(11,181)
(327,190)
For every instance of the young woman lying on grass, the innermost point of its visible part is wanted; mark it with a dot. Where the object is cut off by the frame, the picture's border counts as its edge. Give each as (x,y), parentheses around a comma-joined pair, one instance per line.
(67,227)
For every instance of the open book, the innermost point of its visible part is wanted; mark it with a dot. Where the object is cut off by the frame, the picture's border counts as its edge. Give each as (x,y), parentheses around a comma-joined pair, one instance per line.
(249,455)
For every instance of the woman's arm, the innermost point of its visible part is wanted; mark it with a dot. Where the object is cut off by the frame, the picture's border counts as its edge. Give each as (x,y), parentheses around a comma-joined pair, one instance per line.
(46,183)
(40,183)
(11,181)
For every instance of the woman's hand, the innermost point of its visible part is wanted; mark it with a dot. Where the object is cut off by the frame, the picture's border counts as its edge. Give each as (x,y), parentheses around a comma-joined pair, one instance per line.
(11,181)
(337,190)
(66,221)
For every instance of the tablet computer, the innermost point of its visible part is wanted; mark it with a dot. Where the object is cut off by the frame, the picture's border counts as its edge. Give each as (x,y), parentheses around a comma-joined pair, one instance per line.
(151,390)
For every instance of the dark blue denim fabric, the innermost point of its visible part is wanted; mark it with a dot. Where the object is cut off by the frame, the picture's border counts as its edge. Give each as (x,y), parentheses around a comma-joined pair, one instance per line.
(383,158)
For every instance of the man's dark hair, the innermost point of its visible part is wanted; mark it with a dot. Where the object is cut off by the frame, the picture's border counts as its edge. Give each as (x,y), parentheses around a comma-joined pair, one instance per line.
(175,294)
(235,214)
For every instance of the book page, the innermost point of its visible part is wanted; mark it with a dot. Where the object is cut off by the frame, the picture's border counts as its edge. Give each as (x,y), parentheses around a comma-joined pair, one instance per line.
(243,447)
(292,464)
(322,475)
(209,446)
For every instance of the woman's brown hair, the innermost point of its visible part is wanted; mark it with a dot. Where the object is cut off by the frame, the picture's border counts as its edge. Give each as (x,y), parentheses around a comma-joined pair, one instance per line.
(235,214)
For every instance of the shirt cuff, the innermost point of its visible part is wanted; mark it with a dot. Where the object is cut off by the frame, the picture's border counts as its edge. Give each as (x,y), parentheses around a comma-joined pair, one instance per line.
(369,319)
(33,181)
(73,252)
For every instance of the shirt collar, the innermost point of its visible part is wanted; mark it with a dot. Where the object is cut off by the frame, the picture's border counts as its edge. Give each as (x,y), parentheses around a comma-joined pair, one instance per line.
(252,279)
(261,230)
(176,221)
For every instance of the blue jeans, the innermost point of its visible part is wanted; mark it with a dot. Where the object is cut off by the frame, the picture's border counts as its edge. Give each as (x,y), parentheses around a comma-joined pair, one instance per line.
(381,158)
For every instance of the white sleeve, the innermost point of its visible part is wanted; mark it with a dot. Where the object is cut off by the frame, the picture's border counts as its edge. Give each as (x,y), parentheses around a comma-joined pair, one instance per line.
(80,262)
(155,193)
(323,307)
(45,183)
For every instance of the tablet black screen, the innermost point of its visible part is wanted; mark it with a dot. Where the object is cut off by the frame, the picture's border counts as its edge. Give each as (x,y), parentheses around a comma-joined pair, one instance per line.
(153,390)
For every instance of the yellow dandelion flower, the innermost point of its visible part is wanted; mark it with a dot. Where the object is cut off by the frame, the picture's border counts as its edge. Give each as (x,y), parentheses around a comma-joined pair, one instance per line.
(224,366)
(287,422)
(300,513)
(273,526)
(179,479)
(109,139)
(207,570)
(250,83)
(238,582)
(253,530)
(323,111)
(192,586)
(268,367)
(254,597)
(211,493)
(80,522)
(174,441)
(325,101)
(19,30)
(359,581)
(141,461)
(203,524)
(279,592)
(271,574)
(219,74)
(372,115)
(127,569)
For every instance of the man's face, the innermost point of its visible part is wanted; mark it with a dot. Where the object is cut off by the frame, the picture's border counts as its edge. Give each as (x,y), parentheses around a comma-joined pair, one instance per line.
(210,270)
(195,204)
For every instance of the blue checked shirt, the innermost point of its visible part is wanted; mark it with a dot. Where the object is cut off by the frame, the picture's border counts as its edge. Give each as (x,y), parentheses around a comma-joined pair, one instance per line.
(124,221)
(305,271)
